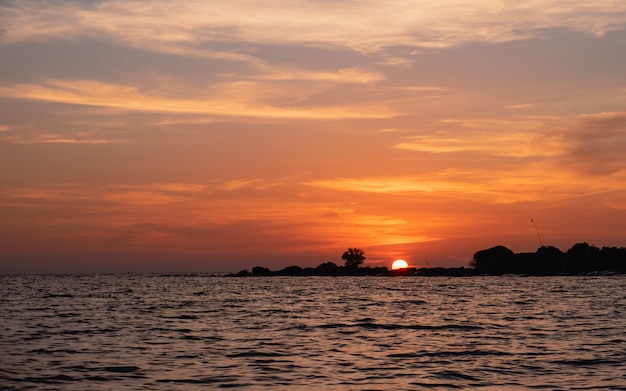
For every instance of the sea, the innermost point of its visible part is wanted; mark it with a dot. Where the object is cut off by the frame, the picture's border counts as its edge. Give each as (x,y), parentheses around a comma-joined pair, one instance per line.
(201,332)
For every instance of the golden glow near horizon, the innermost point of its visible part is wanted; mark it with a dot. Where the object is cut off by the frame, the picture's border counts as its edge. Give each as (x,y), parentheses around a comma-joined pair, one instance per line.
(211,136)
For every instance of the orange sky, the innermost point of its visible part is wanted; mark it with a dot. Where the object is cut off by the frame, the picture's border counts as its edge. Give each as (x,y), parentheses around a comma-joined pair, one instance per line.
(192,136)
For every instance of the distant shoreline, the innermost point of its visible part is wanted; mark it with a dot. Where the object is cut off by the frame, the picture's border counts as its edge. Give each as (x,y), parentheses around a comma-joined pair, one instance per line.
(422,272)
(580,260)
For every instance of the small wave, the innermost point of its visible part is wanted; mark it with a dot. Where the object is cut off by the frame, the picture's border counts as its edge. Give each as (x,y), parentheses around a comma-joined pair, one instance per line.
(53,351)
(414,302)
(78,368)
(333,326)
(121,369)
(364,320)
(525,302)
(454,375)
(474,352)
(183,317)
(255,353)
(297,326)
(447,354)
(369,325)
(57,295)
(192,338)
(271,311)
(110,368)
(404,355)
(584,362)
(89,331)
(436,385)
(76,332)
(98,378)
(57,379)
(386,326)
(227,381)
(69,315)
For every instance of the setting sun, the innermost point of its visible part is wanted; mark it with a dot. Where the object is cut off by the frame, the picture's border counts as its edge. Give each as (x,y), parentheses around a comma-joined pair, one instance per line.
(399,264)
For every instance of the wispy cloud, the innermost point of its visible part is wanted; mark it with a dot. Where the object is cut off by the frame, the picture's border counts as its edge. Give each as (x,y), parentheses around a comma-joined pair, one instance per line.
(519,106)
(543,181)
(146,194)
(514,137)
(135,194)
(226,99)
(378,185)
(183,27)
(55,139)
(522,144)
(255,184)
(341,76)
(32,135)
(169,214)
(589,144)
(420,88)
(597,144)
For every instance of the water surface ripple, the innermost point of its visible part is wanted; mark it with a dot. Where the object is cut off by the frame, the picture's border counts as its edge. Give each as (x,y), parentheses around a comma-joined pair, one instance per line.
(160,332)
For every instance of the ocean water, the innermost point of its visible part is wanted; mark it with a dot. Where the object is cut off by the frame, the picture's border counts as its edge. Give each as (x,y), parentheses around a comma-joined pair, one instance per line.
(162,332)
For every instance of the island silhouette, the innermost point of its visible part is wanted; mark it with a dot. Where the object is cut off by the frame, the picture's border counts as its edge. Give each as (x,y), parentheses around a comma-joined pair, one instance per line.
(580,259)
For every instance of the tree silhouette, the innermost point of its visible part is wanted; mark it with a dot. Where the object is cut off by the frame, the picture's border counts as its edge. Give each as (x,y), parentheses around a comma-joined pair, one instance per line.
(353,257)
(548,260)
(261,271)
(497,260)
(581,257)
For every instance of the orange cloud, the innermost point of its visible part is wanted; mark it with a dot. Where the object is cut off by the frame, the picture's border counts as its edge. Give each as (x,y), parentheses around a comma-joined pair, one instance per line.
(514,144)
(224,100)
(545,181)
(169,214)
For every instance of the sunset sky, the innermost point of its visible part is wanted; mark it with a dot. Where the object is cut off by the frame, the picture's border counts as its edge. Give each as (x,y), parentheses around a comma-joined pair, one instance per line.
(210,136)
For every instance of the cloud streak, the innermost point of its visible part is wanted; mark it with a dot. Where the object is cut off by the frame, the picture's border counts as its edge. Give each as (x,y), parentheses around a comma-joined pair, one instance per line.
(227,99)
(185,26)
(518,144)
(534,182)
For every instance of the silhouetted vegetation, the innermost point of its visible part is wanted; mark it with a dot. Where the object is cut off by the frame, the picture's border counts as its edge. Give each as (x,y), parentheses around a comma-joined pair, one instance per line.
(547,260)
(354,257)
(325,269)
(582,258)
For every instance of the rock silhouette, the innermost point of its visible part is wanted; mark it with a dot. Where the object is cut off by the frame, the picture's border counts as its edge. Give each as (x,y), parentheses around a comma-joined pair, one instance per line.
(325,269)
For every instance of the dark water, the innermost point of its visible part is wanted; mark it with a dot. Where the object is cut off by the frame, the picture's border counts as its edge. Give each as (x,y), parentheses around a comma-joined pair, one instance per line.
(151,332)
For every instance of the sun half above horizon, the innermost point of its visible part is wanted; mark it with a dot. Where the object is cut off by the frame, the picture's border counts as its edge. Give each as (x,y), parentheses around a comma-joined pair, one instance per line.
(399,264)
